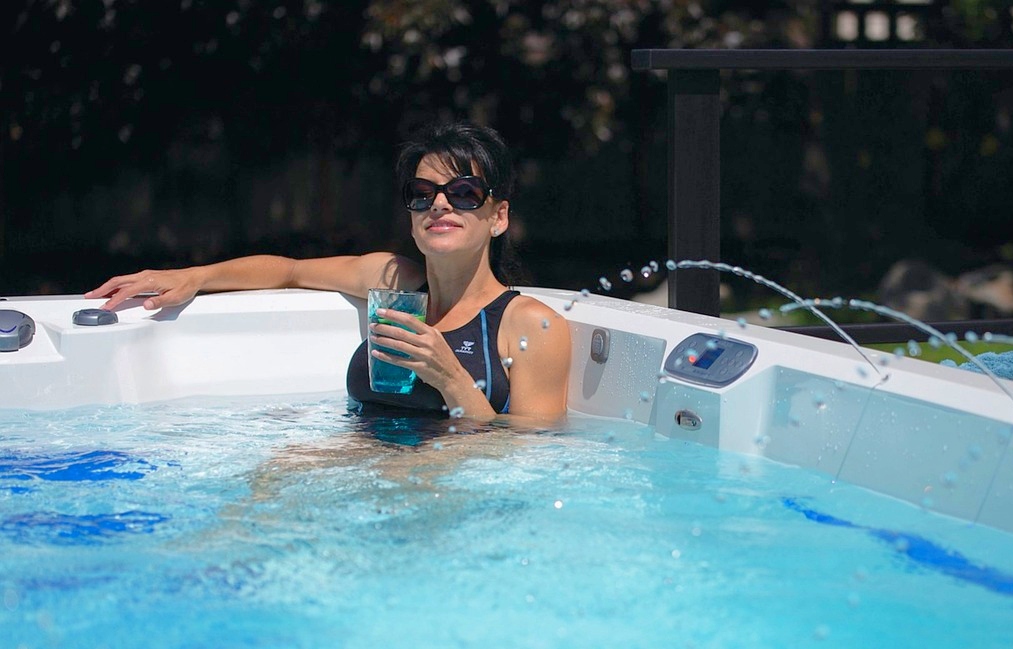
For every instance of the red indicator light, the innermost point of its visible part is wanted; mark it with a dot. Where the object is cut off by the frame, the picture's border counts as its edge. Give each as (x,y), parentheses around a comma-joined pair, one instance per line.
(692,359)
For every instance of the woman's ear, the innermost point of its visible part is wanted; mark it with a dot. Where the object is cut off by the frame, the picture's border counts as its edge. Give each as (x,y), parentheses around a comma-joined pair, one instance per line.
(501,218)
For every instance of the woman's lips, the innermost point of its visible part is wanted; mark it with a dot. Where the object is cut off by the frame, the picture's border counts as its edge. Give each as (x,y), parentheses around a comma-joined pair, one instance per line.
(442,225)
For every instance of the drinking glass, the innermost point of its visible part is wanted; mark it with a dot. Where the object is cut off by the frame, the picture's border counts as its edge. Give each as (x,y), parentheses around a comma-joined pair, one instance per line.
(384,377)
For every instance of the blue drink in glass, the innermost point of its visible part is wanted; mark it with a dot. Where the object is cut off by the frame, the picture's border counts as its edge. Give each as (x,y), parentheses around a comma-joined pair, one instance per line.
(384,377)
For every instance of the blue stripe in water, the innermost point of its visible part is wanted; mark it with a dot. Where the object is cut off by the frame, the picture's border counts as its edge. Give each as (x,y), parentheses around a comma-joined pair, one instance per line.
(921,551)
(74,467)
(67,529)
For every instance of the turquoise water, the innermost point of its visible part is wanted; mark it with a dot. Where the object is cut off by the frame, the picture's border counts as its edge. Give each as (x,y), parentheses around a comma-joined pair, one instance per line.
(287,522)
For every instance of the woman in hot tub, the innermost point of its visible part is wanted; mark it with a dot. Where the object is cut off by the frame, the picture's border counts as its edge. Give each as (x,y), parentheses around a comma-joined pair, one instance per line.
(457,180)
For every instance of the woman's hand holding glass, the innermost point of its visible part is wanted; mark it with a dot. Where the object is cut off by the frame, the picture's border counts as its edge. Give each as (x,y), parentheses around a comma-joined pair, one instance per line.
(427,354)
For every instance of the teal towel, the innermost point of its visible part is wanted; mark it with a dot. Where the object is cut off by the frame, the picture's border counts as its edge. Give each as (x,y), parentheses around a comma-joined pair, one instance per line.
(1000,364)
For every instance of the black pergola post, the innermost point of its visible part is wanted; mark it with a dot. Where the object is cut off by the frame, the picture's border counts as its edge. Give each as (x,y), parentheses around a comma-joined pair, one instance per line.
(694,186)
(694,118)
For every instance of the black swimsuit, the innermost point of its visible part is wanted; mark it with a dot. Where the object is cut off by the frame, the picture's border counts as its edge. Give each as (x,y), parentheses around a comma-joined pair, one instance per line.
(476,347)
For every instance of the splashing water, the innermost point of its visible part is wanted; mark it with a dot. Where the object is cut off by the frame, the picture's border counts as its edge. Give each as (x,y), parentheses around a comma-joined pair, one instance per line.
(791,295)
(936,336)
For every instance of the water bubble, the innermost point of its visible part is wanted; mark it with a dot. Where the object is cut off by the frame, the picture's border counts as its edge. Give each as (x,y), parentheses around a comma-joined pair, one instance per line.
(854,600)
(722,334)
(761,441)
(741,322)
(913,349)
(696,529)
(690,353)
(764,314)
(437,446)
(604,283)
(676,554)
(585,293)
(645,396)
(987,337)
(628,414)
(545,323)
(452,429)
(935,342)
(862,372)
(524,343)
(950,479)
(898,352)
(951,338)
(645,272)
(822,632)
(928,502)
(626,275)
(654,266)
(569,305)
(507,362)
(480,384)
(794,421)
(819,401)
(11,599)
(901,544)
(971,337)
(671,265)
(711,344)
(558,504)
(457,412)
(974,452)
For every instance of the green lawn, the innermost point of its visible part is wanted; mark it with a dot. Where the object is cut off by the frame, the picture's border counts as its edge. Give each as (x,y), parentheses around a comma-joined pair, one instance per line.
(935,355)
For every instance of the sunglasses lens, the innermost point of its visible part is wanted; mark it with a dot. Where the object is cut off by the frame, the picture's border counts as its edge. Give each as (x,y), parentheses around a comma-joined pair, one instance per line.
(466,193)
(419,194)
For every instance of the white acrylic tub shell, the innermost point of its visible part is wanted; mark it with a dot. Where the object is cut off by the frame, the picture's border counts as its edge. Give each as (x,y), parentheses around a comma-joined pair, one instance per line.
(934,436)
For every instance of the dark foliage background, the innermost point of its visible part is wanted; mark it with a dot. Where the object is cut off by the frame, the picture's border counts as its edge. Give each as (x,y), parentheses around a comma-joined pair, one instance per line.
(151,134)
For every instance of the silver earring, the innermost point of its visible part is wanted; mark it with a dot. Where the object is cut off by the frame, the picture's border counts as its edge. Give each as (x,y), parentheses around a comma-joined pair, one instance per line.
(495,232)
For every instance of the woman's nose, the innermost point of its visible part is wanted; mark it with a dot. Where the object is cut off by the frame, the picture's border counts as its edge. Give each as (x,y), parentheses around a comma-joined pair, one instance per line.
(441,202)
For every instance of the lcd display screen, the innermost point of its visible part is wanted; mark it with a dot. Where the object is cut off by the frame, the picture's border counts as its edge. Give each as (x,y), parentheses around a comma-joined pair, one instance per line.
(708,357)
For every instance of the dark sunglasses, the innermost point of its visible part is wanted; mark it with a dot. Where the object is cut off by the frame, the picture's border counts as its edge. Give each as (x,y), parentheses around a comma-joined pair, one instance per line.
(464,193)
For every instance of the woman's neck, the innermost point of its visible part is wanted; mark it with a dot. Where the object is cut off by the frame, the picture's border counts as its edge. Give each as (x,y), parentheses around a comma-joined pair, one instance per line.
(458,289)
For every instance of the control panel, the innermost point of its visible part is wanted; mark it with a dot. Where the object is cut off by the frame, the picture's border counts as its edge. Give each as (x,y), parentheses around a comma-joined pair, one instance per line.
(711,360)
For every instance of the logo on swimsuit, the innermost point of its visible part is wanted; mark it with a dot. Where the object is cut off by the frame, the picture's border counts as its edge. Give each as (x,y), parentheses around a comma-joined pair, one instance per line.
(465,348)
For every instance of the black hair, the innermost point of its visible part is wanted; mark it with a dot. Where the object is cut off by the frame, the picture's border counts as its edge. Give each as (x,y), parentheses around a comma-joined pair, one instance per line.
(468,149)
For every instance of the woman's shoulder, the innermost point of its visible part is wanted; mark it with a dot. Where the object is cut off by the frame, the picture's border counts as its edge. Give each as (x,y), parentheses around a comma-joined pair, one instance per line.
(525,313)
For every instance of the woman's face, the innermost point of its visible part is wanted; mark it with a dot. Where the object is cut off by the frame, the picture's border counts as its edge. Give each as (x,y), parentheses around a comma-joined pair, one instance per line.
(443,228)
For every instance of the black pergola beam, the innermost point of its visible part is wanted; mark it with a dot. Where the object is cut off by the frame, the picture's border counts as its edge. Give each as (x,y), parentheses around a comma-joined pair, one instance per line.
(912,59)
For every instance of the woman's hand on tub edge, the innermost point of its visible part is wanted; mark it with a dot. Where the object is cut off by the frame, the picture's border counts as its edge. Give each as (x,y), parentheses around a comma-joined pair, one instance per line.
(166,287)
